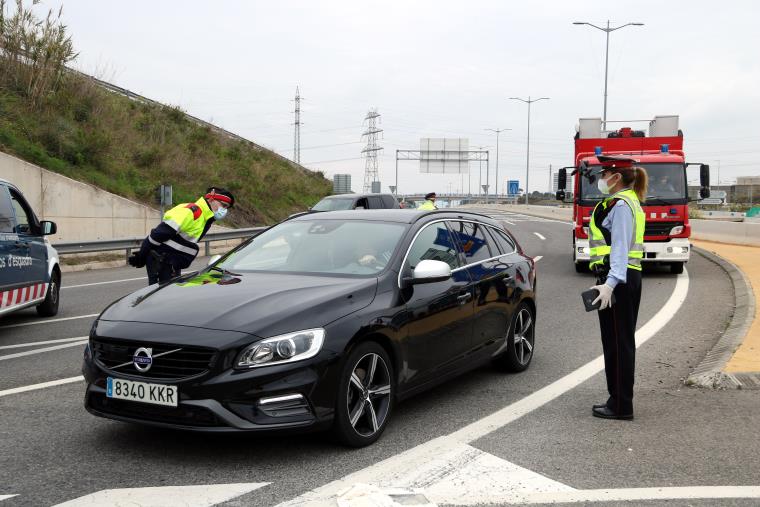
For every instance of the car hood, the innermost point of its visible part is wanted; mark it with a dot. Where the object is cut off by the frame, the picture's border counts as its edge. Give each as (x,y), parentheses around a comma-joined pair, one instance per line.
(262,304)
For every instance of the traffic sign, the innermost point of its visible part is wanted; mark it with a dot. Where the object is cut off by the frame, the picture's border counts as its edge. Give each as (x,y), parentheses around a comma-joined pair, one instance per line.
(513,187)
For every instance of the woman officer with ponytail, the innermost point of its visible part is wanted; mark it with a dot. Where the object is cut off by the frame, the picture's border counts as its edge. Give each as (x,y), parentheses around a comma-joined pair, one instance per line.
(616,234)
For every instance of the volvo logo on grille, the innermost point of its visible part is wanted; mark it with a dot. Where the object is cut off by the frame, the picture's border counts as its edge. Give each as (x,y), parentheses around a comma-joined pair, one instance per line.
(143,359)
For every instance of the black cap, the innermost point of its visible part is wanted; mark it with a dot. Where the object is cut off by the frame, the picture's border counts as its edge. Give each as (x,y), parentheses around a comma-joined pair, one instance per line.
(430,195)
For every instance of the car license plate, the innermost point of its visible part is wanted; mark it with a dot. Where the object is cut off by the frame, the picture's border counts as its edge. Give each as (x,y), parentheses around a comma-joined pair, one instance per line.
(156,394)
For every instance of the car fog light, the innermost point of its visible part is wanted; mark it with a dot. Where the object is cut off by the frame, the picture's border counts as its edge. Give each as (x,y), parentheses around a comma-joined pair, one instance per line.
(286,348)
(685,249)
(670,249)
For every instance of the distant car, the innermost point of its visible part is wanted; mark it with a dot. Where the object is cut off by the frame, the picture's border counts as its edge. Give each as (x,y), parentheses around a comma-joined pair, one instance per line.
(356,201)
(29,271)
(324,320)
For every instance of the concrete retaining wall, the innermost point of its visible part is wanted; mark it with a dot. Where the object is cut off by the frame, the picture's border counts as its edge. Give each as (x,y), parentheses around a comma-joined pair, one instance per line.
(739,233)
(82,212)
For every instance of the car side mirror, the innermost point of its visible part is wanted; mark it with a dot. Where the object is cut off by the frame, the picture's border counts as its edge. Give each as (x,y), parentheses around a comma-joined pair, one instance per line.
(48,227)
(704,181)
(429,271)
(562,179)
(213,259)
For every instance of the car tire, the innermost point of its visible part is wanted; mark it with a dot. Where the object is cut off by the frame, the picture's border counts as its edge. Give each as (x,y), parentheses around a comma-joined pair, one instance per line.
(365,395)
(49,307)
(520,338)
(676,268)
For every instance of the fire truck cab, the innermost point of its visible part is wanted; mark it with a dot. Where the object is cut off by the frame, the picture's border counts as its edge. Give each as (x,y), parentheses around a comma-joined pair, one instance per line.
(659,151)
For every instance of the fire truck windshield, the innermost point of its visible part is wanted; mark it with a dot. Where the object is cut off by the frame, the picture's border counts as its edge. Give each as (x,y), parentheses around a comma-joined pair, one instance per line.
(667,184)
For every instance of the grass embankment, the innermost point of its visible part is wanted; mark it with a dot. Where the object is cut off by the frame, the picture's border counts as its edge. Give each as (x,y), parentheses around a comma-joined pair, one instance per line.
(129,148)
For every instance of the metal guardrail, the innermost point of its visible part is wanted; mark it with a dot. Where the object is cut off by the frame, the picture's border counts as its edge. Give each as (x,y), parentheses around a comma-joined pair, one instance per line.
(129,244)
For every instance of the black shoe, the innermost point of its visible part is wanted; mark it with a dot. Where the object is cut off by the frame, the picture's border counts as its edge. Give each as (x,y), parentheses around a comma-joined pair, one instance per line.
(601,405)
(605,412)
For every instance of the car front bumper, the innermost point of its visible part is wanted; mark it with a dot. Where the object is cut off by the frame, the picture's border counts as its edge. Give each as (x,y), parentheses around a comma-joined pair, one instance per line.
(674,250)
(263,399)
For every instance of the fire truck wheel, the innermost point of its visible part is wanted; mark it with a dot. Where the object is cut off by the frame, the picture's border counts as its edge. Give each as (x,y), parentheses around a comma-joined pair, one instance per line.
(581,267)
(676,268)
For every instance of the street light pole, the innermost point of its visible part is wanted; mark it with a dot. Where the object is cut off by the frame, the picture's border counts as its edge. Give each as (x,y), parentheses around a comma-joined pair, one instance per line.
(498,131)
(607,30)
(529,101)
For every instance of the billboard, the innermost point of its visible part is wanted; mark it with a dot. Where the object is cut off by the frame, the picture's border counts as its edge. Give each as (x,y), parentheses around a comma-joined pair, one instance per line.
(444,155)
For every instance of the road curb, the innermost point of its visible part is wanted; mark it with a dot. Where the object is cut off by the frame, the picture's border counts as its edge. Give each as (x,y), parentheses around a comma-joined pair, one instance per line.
(709,373)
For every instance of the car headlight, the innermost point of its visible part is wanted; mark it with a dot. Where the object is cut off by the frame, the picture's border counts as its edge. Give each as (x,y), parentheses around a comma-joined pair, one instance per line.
(286,348)
(678,229)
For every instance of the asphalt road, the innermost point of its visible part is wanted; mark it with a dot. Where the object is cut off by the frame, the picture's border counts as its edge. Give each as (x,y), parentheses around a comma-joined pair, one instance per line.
(53,451)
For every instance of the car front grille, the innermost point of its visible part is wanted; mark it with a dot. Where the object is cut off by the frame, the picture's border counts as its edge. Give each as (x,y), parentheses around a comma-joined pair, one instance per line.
(659,228)
(116,355)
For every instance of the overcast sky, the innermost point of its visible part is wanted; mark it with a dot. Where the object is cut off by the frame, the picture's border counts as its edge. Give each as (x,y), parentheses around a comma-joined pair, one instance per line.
(437,69)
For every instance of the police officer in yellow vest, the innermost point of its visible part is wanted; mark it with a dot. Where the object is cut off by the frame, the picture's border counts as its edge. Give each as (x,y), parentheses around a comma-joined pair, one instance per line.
(429,203)
(616,237)
(173,244)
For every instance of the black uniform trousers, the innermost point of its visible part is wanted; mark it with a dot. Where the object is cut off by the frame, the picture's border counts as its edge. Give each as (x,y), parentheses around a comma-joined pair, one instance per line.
(160,268)
(618,327)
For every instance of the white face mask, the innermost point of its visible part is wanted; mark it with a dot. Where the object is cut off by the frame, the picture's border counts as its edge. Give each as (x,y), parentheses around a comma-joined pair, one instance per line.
(603,186)
(220,213)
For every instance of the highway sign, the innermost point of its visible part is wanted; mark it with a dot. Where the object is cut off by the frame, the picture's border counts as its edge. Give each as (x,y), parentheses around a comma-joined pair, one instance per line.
(513,187)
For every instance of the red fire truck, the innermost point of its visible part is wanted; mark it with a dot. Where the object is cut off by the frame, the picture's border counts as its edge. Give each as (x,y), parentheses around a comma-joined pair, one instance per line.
(660,152)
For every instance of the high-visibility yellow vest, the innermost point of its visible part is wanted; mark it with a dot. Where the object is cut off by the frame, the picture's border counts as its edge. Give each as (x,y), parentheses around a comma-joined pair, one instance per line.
(599,248)
(189,220)
(427,205)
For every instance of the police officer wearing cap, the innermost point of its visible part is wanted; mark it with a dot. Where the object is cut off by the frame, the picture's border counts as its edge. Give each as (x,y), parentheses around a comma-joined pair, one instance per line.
(429,203)
(616,240)
(173,244)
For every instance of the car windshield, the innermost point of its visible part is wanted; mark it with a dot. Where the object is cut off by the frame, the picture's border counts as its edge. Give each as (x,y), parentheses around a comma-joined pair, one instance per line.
(667,182)
(341,247)
(334,204)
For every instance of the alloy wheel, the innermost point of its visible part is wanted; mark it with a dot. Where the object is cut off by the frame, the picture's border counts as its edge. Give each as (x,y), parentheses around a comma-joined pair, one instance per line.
(369,395)
(523,336)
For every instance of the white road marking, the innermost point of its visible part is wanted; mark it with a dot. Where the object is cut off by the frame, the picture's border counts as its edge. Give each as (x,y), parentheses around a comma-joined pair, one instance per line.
(537,258)
(5,497)
(42,385)
(165,496)
(540,236)
(507,222)
(44,349)
(449,451)
(49,321)
(104,283)
(45,342)
(641,494)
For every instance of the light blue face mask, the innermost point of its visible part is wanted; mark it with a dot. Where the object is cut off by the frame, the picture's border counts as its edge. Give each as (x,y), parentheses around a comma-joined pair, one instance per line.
(220,213)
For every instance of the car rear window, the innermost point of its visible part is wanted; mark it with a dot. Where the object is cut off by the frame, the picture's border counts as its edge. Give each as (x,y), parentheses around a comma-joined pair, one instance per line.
(334,203)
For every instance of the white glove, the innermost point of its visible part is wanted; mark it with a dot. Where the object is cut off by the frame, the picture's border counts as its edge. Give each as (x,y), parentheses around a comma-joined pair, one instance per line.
(605,295)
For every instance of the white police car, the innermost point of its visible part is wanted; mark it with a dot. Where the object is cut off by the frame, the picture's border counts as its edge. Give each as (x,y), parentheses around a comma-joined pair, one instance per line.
(29,271)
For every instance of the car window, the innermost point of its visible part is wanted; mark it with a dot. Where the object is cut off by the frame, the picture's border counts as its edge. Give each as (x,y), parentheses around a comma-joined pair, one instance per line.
(472,241)
(361,203)
(390,202)
(334,203)
(375,202)
(344,247)
(24,218)
(434,242)
(7,221)
(506,245)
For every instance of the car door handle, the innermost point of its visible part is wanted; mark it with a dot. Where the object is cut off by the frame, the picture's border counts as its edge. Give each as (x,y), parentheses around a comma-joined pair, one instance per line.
(463,298)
